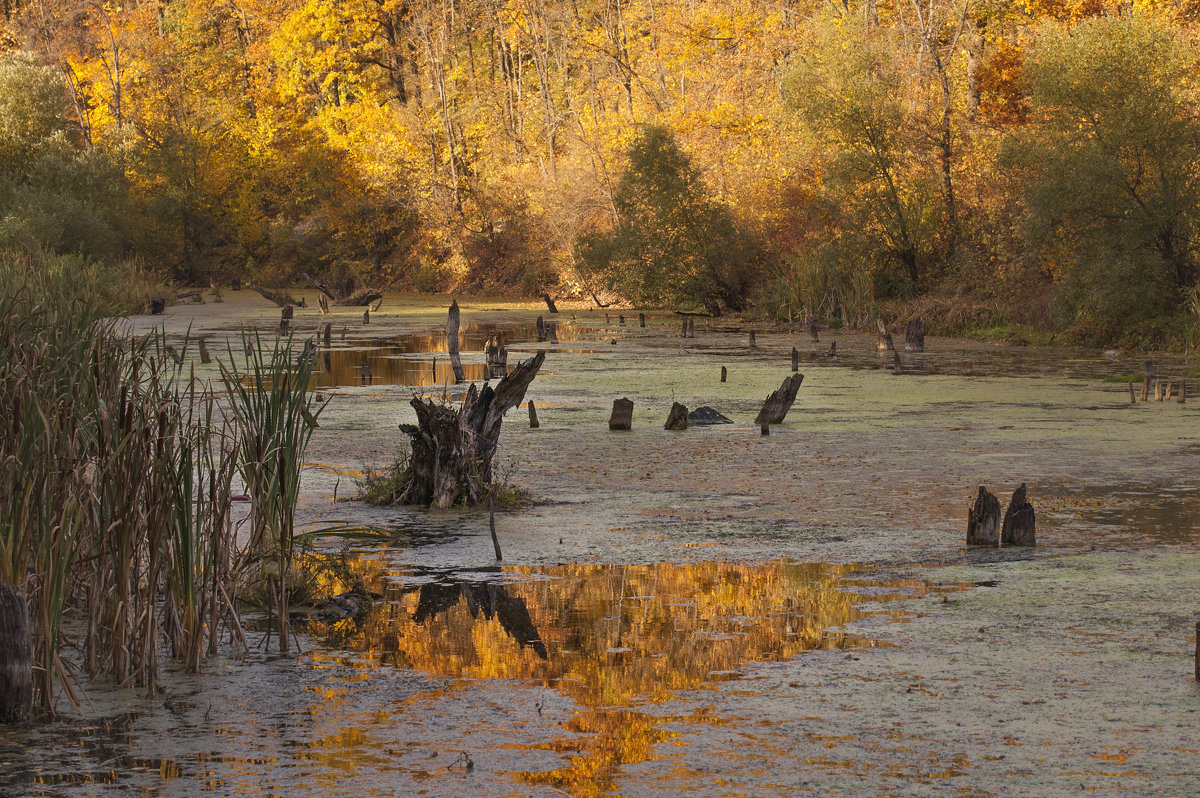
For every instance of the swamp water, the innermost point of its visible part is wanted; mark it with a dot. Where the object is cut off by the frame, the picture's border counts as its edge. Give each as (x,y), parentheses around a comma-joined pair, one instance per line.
(709,611)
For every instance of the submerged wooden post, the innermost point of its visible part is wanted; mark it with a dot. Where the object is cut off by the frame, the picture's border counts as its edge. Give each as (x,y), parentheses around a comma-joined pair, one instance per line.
(367,316)
(552,332)
(1132,394)
(795,359)
(1020,521)
(533,421)
(1158,390)
(204,356)
(691,323)
(684,333)
(328,333)
(622,415)
(1182,392)
(983,520)
(16,657)
(452,319)
(641,319)
(1145,389)
(621,319)
(833,348)
(812,331)
(540,329)
(1170,386)
(753,343)
(724,374)
(677,419)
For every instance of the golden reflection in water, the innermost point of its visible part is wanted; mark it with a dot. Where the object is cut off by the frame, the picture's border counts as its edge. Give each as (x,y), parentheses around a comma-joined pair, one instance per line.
(612,638)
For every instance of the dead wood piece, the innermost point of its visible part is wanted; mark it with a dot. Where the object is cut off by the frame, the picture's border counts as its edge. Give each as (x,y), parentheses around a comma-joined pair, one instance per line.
(914,336)
(319,286)
(705,415)
(282,300)
(189,293)
(795,359)
(552,332)
(1182,392)
(453,448)
(691,324)
(677,419)
(235,284)
(622,415)
(1145,388)
(550,303)
(883,339)
(540,329)
(621,318)
(641,319)
(157,306)
(375,308)
(813,329)
(983,520)
(323,305)
(328,333)
(777,405)
(1020,521)
(1132,394)
(599,304)
(16,656)
(1158,390)
(533,419)
(287,313)
(753,342)
(367,316)
(452,320)
(684,333)
(833,348)
(204,356)
(1170,390)
(359,299)
(495,358)
(724,374)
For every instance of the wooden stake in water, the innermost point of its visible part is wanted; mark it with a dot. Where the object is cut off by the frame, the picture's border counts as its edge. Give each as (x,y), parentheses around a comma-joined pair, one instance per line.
(492,524)
(724,374)
(533,419)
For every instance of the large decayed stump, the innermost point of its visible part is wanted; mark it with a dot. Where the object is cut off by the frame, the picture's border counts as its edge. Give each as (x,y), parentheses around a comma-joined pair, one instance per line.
(1020,522)
(495,357)
(452,449)
(16,657)
(983,520)
(452,342)
(677,419)
(777,405)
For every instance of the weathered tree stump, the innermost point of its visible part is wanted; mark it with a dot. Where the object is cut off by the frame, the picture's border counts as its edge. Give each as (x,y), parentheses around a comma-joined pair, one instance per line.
(1020,521)
(205,357)
(795,359)
(452,320)
(552,332)
(691,328)
(777,405)
(1145,389)
(813,329)
(641,319)
(724,374)
(540,329)
(1170,390)
(16,657)
(452,449)
(323,304)
(367,316)
(883,339)
(677,419)
(684,333)
(1182,392)
(235,284)
(533,419)
(328,333)
(1158,390)
(621,319)
(157,306)
(1132,394)
(495,357)
(287,313)
(622,415)
(753,342)
(983,520)
(833,348)
(914,336)
(764,428)
(550,303)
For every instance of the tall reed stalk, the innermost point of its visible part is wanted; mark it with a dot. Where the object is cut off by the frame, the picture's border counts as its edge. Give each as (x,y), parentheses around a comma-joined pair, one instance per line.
(270,403)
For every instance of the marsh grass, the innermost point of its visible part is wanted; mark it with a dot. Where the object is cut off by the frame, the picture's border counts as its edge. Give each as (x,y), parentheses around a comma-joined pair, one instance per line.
(116,476)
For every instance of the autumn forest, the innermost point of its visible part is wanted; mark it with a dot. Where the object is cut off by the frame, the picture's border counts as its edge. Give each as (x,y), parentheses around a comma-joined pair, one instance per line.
(1023,166)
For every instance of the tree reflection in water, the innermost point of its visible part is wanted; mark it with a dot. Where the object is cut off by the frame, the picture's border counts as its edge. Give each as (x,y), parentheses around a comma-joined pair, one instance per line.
(616,639)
